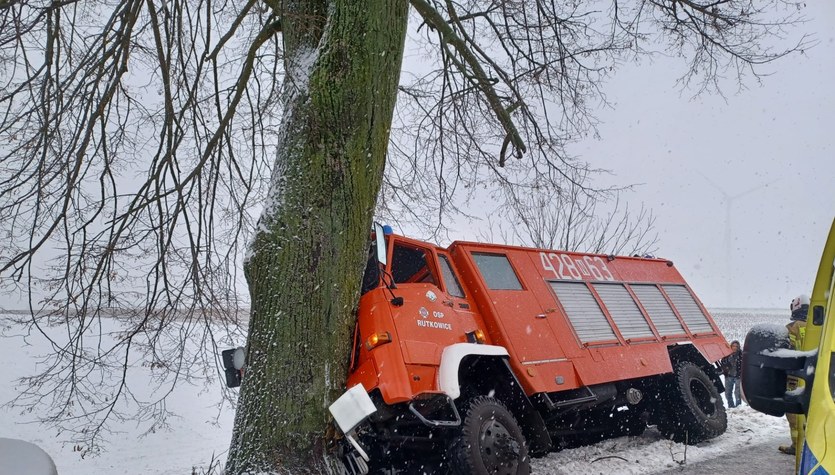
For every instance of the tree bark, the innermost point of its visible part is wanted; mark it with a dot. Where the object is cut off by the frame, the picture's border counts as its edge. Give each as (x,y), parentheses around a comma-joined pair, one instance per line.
(343,64)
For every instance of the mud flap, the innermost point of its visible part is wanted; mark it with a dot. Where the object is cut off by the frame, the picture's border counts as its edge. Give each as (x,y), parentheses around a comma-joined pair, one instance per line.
(530,420)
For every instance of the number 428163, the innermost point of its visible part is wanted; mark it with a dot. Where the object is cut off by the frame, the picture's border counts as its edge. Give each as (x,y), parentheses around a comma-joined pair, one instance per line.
(564,266)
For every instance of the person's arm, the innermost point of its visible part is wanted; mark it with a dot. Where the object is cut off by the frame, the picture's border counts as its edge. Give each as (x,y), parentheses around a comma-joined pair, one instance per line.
(724,365)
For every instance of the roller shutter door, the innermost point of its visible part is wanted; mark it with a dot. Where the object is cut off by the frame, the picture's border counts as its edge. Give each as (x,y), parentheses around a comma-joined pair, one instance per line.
(689,310)
(658,309)
(623,310)
(583,312)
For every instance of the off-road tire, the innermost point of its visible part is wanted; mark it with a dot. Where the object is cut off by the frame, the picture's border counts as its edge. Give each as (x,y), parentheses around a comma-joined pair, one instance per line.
(694,411)
(489,441)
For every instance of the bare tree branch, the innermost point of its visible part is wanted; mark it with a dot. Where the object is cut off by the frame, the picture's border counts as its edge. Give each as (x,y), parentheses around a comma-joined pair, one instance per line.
(138,140)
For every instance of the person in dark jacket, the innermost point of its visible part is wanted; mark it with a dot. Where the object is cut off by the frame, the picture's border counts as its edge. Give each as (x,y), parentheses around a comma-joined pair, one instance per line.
(732,369)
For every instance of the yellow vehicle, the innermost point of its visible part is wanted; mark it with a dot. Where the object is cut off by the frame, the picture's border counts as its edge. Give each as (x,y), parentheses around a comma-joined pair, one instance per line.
(768,359)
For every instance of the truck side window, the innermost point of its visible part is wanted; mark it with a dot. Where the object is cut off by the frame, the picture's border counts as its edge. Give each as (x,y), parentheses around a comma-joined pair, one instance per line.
(409,265)
(453,287)
(497,271)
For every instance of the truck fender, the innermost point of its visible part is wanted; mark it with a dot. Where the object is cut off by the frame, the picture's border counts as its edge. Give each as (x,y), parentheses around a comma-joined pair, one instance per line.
(687,351)
(490,363)
(451,360)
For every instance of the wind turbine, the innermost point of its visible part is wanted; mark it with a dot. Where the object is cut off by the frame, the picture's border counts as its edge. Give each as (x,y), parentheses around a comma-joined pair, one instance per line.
(729,202)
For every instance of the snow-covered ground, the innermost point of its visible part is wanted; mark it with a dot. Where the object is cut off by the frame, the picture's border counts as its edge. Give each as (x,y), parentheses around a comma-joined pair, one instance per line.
(651,453)
(201,431)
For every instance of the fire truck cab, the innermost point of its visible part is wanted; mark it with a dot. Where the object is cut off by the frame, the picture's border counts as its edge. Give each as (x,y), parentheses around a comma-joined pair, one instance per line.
(488,354)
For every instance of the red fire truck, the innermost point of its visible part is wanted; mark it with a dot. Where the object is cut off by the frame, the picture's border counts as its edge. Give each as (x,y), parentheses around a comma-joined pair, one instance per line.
(488,354)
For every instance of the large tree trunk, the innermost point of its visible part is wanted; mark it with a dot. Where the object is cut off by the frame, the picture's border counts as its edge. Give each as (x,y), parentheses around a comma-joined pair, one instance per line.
(343,62)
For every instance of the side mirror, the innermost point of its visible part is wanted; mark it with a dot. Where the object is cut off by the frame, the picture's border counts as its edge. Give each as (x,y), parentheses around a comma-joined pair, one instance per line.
(380,239)
(233,364)
(767,361)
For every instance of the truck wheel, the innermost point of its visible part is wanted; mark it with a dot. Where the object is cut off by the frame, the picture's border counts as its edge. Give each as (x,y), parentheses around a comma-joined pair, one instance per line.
(694,411)
(489,442)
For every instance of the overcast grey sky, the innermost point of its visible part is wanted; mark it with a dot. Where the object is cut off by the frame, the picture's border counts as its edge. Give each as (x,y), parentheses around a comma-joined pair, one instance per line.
(777,138)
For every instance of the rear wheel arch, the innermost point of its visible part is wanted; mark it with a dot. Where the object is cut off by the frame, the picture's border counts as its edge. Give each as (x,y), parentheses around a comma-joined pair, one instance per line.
(689,352)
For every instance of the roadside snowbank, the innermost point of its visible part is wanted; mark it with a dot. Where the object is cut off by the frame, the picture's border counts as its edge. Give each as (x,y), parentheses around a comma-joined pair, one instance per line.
(650,453)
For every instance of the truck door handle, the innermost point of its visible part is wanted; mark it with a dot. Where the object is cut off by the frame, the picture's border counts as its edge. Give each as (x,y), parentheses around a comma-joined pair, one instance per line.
(541,315)
(448,303)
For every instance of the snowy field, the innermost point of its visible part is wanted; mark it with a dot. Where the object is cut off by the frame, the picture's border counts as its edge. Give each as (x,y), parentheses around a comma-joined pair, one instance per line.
(201,431)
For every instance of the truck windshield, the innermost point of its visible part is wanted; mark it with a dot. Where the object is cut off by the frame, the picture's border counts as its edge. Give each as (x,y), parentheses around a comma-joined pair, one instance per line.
(371,276)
